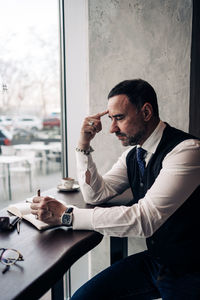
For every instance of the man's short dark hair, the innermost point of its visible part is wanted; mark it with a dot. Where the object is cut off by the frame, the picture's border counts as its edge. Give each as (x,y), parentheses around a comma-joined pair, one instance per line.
(138,92)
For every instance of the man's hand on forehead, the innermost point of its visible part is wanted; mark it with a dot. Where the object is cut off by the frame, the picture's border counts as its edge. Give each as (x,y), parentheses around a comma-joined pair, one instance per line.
(94,121)
(91,125)
(99,115)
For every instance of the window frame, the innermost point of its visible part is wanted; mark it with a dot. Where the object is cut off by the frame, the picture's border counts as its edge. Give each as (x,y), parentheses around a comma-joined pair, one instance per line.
(63,93)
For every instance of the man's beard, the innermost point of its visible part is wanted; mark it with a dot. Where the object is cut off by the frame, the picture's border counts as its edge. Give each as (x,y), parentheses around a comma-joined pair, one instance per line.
(130,140)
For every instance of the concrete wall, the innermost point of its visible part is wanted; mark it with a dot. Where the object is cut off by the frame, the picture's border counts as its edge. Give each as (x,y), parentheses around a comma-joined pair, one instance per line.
(139,38)
(76,39)
(126,39)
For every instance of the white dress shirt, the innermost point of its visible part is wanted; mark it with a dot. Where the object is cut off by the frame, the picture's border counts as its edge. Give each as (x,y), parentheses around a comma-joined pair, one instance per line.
(178,178)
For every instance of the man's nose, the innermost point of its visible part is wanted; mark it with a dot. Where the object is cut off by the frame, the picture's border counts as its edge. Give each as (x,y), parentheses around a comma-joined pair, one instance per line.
(114,128)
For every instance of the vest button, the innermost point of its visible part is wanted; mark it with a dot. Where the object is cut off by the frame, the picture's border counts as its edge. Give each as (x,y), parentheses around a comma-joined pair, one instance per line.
(141,184)
(152,242)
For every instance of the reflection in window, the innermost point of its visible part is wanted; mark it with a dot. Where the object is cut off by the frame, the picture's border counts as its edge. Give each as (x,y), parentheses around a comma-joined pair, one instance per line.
(29,96)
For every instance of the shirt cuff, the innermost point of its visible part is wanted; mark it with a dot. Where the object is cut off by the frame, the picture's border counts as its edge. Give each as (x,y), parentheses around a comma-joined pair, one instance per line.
(82,219)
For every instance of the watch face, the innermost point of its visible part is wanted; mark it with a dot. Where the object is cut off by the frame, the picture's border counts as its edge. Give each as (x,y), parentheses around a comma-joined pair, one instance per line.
(67,219)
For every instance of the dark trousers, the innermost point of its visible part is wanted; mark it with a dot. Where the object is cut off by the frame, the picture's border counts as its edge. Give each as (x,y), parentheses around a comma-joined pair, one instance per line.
(139,277)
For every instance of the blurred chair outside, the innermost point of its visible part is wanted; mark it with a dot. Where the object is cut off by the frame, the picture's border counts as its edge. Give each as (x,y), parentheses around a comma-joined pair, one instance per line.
(3,176)
(54,154)
(7,150)
(12,165)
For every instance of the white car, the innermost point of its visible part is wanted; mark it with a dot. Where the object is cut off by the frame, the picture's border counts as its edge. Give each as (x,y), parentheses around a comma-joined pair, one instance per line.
(6,121)
(28,122)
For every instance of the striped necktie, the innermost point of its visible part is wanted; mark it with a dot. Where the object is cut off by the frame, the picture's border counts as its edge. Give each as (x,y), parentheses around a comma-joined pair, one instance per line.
(140,153)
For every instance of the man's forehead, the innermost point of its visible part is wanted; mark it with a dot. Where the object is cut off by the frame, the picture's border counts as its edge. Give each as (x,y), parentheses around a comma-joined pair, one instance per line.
(118,104)
(120,97)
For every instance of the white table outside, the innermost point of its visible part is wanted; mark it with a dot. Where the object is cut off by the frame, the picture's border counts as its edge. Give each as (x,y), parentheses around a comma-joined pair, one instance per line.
(39,149)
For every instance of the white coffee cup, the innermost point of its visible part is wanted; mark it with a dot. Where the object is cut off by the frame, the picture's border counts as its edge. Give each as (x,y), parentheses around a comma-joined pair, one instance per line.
(68,182)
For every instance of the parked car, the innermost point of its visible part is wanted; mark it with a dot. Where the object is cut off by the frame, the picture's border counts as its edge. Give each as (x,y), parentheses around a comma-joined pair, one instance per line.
(5,136)
(6,121)
(22,136)
(51,122)
(28,123)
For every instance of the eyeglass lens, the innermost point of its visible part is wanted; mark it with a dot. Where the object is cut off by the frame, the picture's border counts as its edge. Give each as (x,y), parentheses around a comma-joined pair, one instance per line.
(9,257)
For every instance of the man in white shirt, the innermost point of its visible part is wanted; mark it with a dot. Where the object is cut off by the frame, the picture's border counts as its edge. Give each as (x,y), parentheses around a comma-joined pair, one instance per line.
(163,170)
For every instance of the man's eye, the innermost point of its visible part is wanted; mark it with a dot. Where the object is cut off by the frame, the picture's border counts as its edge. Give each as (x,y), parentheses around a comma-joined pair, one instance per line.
(119,118)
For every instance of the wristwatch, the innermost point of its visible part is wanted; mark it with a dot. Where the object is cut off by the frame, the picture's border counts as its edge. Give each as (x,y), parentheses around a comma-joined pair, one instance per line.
(67,217)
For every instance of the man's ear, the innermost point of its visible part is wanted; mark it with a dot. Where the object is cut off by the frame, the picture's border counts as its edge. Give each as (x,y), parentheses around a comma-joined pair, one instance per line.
(147,111)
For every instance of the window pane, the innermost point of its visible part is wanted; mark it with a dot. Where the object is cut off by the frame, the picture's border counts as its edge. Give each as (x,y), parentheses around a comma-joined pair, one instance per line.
(29,97)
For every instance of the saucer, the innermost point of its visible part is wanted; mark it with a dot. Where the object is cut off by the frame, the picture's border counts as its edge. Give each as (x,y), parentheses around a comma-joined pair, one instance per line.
(62,188)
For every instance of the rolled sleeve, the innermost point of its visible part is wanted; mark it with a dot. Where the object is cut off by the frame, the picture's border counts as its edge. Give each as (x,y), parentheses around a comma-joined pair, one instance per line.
(101,188)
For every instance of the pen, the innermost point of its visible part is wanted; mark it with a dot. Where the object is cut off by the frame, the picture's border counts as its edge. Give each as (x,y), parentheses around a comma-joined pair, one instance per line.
(18,225)
(29,200)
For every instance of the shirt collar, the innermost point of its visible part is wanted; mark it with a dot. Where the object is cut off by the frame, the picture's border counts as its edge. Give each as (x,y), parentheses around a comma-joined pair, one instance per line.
(153,140)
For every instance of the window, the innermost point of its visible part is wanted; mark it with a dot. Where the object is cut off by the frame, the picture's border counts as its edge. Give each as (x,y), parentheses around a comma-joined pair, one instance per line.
(30,94)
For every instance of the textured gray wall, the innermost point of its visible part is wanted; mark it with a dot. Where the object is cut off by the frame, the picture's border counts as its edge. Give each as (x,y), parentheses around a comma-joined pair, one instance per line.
(147,39)
(139,38)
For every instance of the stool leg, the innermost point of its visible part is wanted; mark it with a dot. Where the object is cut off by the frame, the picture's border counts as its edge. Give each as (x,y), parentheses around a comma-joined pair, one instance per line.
(68,285)
(57,291)
(30,177)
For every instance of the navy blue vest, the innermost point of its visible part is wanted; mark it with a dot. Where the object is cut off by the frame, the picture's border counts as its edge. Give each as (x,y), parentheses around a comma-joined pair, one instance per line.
(176,244)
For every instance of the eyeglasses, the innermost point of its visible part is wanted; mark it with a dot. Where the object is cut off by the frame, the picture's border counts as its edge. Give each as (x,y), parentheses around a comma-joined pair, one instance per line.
(9,257)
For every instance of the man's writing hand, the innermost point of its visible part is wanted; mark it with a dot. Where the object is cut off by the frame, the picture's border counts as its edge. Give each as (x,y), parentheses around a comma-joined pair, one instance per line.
(48,210)
(91,126)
